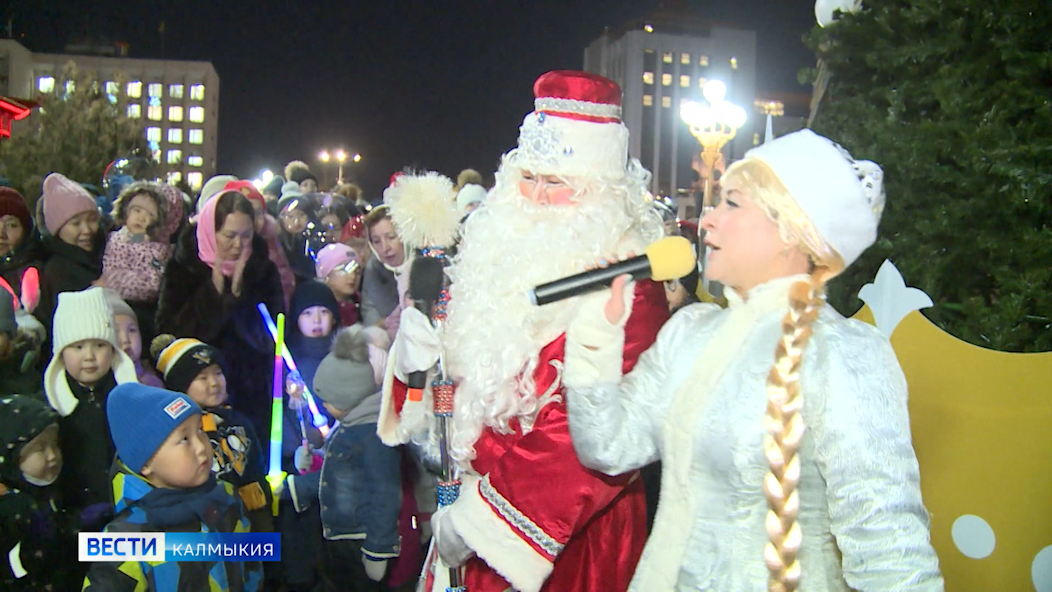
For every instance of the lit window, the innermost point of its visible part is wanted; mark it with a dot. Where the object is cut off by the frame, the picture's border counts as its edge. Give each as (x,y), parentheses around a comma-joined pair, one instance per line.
(70,86)
(756,139)
(155,89)
(684,59)
(703,60)
(734,63)
(153,134)
(175,113)
(174,177)
(701,82)
(667,57)
(174,156)
(175,91)
(154,112)
(666,101)
(175,135)
(156,156)
(197,136)
(684,81)
(46,84)
(648,78)
(195,161)
(648,100)
(195,180)
(666,80)
(135,89)
(197,114)
(111,88)
(135,111)
(197,92)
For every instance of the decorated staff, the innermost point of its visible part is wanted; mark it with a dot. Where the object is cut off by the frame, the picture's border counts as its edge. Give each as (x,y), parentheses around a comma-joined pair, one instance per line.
(423,212)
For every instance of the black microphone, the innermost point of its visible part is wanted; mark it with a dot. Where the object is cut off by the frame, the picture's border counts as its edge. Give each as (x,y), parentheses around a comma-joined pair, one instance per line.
(669,258)
(426,276)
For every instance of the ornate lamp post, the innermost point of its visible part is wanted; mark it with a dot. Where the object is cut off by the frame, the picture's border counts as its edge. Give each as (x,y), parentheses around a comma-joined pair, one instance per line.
(713,125)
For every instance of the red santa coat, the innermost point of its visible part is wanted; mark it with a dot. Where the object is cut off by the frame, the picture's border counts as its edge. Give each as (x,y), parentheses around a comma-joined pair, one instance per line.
(538,519)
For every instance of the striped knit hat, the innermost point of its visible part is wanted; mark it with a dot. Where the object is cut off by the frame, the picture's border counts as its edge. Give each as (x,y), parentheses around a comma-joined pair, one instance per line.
(180,360)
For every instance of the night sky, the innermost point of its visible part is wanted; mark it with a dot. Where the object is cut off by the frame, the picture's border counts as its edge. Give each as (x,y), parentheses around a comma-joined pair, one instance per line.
(440,85)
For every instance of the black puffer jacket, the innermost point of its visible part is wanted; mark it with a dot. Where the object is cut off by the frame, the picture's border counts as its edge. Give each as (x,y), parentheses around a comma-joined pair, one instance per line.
(189,306)
(29,254)
(69,268)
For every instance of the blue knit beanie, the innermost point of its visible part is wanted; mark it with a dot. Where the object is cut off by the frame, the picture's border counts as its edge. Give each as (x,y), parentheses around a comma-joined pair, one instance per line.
(141,418)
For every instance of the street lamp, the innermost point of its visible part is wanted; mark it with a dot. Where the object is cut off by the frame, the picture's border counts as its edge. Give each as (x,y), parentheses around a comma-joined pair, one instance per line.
(341,156)
(713,125)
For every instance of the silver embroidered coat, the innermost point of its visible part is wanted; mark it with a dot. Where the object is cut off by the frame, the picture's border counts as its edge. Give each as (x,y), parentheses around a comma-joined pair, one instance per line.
(864,524)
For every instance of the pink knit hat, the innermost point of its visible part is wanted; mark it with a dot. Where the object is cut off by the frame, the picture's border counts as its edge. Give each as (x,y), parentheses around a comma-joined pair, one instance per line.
(332,257)
(63,199)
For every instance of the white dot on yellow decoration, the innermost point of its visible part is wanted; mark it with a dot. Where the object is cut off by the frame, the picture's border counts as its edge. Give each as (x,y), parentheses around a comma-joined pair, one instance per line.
(973,536)
(1041,570)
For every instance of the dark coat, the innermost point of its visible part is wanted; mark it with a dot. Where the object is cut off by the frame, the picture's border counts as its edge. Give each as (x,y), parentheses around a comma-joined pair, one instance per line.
(379,292)
(68,269)
(29,254)
(189,306)
(359,488)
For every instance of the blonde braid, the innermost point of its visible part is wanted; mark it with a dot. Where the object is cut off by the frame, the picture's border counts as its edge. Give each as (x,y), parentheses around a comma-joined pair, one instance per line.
(785,432)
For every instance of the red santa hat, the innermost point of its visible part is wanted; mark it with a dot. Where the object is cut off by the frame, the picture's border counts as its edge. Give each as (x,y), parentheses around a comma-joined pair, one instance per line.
(575,129)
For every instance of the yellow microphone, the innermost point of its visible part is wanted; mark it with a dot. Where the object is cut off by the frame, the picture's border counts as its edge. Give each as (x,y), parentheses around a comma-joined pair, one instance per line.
(667,259)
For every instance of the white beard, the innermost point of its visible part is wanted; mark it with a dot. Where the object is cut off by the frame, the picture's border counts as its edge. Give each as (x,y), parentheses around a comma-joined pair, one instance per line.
(493,334)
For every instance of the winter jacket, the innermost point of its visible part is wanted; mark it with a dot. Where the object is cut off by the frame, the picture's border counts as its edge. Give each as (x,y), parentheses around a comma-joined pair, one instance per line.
(359,485)
(38,537)
(189,306)
(134,265)
(299,252)
(379,292)
(87,447)
(696,400)
(211,507)
(69,269)
(15,263)
(238,460)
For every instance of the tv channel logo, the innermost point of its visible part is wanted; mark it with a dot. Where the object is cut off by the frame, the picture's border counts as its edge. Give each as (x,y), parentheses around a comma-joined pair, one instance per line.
(179,546)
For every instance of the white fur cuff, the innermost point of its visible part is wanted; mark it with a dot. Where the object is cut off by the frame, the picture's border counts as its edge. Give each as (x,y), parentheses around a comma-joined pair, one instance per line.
(496,542)
(594,347)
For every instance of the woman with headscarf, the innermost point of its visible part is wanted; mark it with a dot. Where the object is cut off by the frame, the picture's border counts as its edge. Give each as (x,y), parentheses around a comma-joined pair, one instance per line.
(219,273)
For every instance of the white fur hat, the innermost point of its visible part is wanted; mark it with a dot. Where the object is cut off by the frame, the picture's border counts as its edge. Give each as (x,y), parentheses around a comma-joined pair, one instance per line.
(79,316)
(843,197)
(575,129)
(469,194)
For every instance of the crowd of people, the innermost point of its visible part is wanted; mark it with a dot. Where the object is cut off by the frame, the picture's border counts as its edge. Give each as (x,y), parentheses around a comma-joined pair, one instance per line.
(631,438)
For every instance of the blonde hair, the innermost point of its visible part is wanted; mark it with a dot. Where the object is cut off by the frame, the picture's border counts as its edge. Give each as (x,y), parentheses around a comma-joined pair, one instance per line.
(785,424)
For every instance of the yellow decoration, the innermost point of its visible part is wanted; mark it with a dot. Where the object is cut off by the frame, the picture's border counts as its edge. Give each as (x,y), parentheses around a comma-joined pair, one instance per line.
(982,429)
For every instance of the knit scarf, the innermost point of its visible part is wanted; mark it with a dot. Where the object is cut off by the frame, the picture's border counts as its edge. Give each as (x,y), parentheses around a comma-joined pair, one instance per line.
(205,503)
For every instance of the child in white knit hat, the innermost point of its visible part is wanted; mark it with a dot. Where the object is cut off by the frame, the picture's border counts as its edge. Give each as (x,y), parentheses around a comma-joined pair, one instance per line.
(87,364)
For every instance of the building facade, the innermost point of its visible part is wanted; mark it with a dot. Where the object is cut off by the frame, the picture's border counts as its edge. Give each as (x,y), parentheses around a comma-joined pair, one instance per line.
(660,63)
(178,101)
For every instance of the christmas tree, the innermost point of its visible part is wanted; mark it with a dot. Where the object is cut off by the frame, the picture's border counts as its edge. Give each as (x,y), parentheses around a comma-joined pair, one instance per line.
(954,99)
(81,127)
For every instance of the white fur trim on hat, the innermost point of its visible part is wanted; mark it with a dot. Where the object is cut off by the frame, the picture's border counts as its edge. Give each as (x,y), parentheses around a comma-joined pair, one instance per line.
(59,395)
(554,145)
(79,316)
(843,197)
